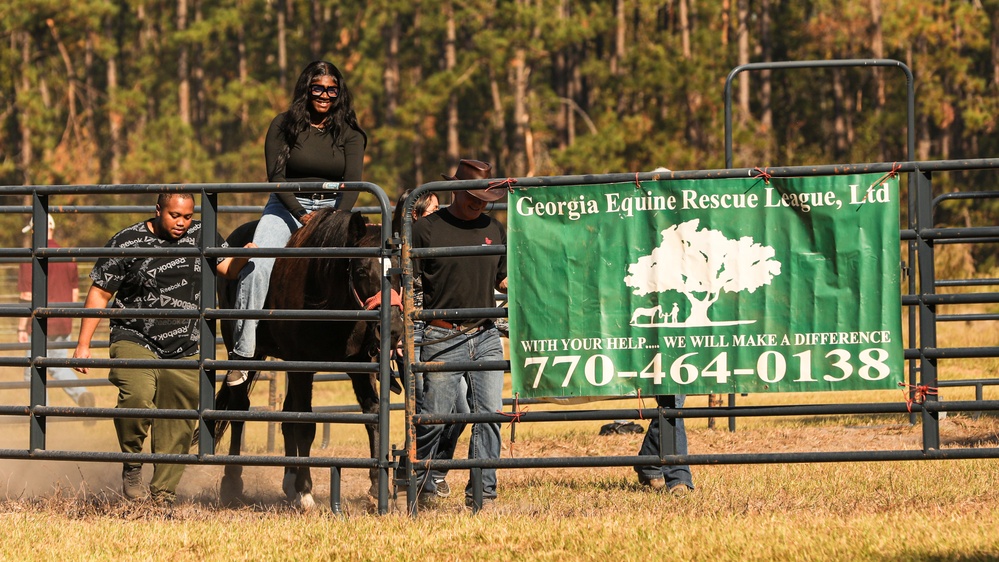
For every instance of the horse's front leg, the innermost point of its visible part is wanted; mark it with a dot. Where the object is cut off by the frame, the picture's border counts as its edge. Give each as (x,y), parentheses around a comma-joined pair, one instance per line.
(298,439)
(233,398)
(367,397)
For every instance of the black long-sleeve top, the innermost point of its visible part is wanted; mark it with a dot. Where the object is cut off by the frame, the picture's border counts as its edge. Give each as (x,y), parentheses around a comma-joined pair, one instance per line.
(315,157)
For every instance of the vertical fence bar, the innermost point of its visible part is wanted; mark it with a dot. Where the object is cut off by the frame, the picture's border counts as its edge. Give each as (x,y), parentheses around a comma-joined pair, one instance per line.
(206,397)
(272,400)
(406,476)
(910,146)
(927,312)
(385,354)
(667,426)
(335,493)
(39,326)
(477,489)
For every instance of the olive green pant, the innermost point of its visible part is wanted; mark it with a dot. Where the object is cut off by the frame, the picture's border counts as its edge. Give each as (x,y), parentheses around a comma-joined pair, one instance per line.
(154,388)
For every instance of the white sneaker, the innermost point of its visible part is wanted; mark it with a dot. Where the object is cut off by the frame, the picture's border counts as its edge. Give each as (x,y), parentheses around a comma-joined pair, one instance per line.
(236,377)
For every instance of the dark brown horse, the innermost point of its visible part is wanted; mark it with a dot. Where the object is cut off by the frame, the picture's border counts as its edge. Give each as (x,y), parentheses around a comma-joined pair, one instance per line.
(315,283)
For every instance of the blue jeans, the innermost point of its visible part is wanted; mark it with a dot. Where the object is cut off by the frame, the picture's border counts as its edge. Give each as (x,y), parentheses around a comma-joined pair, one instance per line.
(441,392)
(273,231)
(60,373)
(452,431)
(674,474)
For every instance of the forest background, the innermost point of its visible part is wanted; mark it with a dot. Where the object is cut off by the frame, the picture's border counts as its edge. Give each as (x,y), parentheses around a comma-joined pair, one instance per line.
(182,91)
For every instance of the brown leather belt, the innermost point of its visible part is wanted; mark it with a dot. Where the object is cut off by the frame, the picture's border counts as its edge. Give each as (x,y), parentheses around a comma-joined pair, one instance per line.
(440,323)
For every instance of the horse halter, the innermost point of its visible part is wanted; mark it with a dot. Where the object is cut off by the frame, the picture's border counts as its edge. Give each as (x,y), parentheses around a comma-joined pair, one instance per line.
(374,301)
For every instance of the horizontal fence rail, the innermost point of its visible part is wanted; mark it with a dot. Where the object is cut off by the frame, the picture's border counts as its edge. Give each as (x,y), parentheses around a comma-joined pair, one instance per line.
(924,353)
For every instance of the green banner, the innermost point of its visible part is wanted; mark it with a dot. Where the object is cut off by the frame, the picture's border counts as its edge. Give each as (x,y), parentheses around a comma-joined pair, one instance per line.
(705,286)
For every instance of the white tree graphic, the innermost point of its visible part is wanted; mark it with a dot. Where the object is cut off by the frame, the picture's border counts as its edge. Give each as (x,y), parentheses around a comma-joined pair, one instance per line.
(701,264)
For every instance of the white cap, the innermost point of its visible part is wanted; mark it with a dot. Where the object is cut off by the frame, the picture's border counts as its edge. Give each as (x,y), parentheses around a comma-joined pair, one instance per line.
(31,224)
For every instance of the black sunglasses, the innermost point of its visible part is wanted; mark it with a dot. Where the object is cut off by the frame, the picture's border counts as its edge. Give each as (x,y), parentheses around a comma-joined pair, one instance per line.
(331,91)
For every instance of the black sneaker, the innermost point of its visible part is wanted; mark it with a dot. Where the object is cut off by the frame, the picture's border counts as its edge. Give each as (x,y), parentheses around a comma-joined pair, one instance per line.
(443,490)
(131,483)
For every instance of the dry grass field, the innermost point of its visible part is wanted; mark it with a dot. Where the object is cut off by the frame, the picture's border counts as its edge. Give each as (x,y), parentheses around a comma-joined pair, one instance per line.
(938,510)
(920,510)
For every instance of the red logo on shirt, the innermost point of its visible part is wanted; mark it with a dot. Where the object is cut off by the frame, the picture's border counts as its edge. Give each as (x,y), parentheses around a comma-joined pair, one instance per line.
(488,241)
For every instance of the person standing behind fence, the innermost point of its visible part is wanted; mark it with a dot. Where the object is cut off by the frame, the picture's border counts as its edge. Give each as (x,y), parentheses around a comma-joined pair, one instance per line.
(676,479)
(317,140)
(63,287)
(427,204)
(461,282)
(157,282)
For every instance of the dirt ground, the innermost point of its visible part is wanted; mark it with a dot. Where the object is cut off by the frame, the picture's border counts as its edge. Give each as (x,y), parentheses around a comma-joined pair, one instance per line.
(25,480)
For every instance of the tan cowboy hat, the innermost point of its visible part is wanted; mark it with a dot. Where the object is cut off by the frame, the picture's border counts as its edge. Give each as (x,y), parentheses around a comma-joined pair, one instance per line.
(31,224)
(477,170)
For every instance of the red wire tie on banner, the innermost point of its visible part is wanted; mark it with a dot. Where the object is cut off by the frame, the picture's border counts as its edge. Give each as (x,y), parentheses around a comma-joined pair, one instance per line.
(638,184)
(921,391)
(764,174)
(515,417)
(895,167)
(507,183)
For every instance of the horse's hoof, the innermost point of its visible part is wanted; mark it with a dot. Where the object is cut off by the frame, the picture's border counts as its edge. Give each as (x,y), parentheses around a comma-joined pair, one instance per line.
(288,485)
(305,502)
(231,490)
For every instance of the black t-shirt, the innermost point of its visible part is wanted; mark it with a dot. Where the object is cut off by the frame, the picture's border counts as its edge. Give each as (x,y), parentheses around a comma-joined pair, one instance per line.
(154,282)
(316,156)
(463,281)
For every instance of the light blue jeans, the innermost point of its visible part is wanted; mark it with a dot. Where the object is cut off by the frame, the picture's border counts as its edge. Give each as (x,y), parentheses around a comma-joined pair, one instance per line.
(60,373)
(452,431)
(273,231)
(440,393)
(674,474)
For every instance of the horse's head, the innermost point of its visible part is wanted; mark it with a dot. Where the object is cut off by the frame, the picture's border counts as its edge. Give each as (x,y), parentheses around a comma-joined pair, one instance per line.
(366,276)
(363,275)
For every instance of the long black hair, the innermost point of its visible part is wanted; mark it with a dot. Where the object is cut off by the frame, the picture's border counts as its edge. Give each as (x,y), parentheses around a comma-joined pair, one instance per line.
(419,207)
(297,119)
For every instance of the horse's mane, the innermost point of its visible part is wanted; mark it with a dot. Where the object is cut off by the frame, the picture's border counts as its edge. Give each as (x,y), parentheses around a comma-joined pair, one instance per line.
(328,228)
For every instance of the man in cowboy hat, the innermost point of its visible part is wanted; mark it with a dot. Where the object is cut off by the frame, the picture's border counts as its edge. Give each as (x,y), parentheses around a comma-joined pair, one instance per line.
(457,283)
